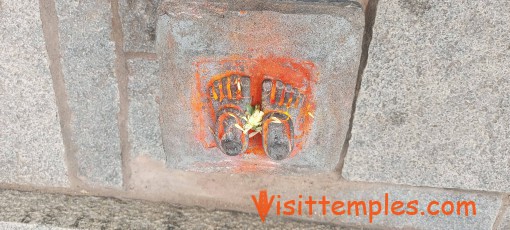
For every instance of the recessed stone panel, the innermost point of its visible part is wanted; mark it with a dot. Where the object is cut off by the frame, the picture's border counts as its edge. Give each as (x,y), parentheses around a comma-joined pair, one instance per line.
(312,48)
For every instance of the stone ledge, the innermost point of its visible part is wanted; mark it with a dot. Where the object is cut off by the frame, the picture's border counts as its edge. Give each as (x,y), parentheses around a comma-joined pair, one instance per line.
(152,179)
(42,211)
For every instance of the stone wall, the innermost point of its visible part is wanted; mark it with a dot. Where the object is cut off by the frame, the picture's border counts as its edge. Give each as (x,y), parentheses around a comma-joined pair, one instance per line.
(81,95)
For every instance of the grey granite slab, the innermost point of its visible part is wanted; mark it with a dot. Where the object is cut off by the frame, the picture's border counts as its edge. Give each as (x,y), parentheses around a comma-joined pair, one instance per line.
(505,221)
(88,66)
(434,104)
(144,98)
(31,146)
(139,18)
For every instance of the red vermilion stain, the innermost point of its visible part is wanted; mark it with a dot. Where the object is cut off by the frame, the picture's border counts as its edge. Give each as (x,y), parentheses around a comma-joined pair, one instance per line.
(300,74)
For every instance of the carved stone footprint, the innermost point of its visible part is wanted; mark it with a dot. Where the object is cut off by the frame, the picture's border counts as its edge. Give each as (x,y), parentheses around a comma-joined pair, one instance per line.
(281,104)
(229,96)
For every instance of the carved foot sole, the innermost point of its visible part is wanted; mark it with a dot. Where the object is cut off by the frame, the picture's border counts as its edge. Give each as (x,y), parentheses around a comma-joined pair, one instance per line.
(230,139)
(281,103)
(229,96)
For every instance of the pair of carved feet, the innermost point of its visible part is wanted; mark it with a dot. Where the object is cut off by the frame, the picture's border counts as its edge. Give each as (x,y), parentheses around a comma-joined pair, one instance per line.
(231,95)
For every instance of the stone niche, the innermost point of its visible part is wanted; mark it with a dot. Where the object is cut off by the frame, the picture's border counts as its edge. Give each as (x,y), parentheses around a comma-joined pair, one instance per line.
(295,61)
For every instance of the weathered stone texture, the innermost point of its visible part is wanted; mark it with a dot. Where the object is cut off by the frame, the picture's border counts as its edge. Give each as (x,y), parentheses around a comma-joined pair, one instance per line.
(87,59)
(233,191)
(505,221)
(31,147)
(139,19)
(20,226)
(434,104)
(487,207)
(144,96)
(87,212)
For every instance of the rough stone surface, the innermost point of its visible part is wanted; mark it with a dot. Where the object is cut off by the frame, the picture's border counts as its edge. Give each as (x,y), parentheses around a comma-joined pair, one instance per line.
(139,24)
(505,222)
(88,212)
(487,207)
(434,104)
(144,97)
(31,147)
(20,226)
(87,59)
(233,191)
(192,32)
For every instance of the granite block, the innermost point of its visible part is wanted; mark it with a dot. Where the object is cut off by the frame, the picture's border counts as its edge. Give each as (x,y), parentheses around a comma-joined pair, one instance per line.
(435,97)
(144,98)
(139,18)
(505,221)
(88,66)
(31,145)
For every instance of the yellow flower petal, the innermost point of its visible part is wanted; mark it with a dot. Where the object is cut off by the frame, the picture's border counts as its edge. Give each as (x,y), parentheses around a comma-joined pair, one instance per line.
(239,127)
